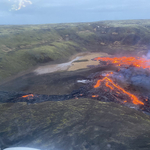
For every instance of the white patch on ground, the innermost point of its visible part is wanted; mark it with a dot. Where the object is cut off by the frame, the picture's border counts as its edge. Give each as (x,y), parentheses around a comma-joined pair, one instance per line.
(54,68)
(83,81)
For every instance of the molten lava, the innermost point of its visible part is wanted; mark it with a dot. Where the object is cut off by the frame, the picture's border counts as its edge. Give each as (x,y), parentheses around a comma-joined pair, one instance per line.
(128,61)
(30,96)
(95,95)
(110,84)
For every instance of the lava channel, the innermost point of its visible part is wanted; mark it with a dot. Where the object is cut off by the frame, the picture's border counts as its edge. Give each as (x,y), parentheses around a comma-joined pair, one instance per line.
(110,84)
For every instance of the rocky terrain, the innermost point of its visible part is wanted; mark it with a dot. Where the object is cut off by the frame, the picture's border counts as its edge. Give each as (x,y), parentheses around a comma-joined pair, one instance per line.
(79,123)
(74,125)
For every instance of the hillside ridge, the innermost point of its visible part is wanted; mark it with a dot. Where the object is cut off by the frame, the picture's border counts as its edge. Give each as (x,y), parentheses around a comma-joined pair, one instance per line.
(22,47)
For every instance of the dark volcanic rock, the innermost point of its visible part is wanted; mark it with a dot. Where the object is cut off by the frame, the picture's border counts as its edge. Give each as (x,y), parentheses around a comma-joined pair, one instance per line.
(14,97)
(74,125)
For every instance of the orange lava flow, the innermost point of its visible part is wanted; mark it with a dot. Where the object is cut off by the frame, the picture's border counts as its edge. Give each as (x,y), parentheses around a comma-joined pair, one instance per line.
(108,81)
(27,96)
(95,95)
(137,62)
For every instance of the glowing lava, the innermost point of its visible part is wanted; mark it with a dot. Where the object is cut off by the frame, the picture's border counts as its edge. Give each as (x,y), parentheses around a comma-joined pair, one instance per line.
(30,96)
(95,95)
(110,84)
(128,61)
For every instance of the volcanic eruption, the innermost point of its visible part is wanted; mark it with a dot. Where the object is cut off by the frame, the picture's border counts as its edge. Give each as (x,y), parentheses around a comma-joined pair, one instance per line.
(134,71)
(110,84)
(106,86)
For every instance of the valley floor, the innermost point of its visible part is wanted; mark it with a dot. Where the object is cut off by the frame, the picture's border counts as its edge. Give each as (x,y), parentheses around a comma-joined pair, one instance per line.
(79,61)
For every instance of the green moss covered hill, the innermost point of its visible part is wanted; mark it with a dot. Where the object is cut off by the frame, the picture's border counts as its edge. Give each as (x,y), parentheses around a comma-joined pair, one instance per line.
(22,47)
(83,124)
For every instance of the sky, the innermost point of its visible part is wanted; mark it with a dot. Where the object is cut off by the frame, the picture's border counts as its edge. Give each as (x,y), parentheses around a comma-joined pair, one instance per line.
(70,11)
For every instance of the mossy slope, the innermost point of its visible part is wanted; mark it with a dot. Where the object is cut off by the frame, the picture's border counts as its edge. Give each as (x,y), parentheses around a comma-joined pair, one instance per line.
(22,47)
(74,125)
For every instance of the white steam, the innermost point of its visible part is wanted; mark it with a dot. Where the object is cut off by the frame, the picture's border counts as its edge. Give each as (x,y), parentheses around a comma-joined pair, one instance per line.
(147,56)
(135,76)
